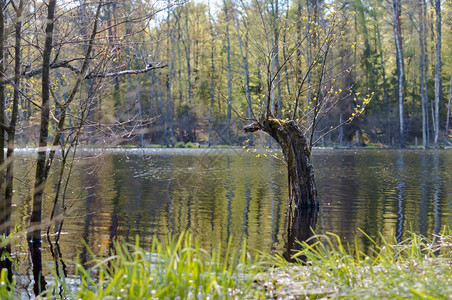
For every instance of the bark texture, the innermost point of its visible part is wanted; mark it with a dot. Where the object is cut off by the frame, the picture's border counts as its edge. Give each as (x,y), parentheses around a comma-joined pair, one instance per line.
(297,154)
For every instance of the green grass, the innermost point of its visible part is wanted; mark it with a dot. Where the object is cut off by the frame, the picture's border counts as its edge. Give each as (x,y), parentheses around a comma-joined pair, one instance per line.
(178,268)
(414,268)
(173,269)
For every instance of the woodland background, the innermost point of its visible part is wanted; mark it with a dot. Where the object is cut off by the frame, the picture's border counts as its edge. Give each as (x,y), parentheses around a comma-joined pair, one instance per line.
(200,71)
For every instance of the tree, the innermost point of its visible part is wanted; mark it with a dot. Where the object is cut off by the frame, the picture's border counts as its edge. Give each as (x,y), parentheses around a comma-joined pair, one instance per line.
(422,87)
(438,81)
(396,8)
(448,111)
(228,50)
(80,72)
(296,143)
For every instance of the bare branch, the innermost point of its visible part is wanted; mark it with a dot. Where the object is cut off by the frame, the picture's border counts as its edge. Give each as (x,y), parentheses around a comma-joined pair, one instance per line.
(66,64)
(127,72)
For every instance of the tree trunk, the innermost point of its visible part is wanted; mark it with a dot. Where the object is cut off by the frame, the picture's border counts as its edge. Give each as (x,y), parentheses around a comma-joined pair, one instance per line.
(385,85)
(400,67)
(426,64)
(299,69)
(35,218)
(2,100)
(422,75)
(169,82)
(275,12)
(448,111)
(5,207)
(15,109)
(140,112)
(438,82)
(162,108)
(286,70)
(244,65)
(228,49)
(212,76)
(111,24)
(297,154)
(188,54)
(370,85)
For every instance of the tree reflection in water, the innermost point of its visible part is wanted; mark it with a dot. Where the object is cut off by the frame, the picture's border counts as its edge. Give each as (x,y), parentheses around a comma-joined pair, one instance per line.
(36,258)
(300,228)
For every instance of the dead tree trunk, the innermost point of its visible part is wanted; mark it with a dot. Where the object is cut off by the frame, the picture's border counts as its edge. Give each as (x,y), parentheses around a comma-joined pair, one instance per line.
(297,155)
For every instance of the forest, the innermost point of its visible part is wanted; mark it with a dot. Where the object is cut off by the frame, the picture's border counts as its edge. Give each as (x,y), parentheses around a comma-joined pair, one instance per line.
(169,73)
(96,97)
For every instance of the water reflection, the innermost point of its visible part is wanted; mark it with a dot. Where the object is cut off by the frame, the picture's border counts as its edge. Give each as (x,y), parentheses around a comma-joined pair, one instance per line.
(300,228)
(36,258)
(223,194)
(400,167)
(437,189)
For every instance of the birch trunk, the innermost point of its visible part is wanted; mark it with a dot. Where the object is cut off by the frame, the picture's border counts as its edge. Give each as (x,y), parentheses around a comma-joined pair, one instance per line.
(438,83)
(244,65)
(448,110)
(188,55)
(212,76)
(275,12)
(228,49)
(400,71)
(422,75)
(169,80)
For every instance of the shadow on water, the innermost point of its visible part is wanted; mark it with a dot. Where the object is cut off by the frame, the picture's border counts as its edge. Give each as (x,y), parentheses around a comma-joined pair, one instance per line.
(300,228)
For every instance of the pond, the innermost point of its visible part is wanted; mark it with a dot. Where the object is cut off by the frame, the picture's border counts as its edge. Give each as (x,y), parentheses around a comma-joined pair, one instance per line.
(218,194)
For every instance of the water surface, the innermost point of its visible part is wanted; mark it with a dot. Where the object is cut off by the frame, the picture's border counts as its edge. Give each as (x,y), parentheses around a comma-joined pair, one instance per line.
(221,194)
